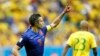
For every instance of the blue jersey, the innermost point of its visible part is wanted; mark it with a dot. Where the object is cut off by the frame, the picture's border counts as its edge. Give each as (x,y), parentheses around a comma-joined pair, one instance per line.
(33,42)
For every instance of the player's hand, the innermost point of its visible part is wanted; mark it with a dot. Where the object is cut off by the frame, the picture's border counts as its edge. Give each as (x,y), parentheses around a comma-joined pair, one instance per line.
(67,9)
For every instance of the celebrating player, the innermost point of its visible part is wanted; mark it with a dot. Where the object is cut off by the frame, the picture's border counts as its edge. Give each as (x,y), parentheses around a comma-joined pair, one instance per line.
(33,39)
(81,42)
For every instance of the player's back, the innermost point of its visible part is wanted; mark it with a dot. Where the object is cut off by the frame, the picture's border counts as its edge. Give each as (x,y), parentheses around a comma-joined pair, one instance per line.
(81,43)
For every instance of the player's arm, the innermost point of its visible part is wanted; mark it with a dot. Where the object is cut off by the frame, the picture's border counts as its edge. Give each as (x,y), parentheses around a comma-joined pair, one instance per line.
(15,50)
(65,50)
(68,45)
(93,45)
(94,51)
(18,46)
(58,19)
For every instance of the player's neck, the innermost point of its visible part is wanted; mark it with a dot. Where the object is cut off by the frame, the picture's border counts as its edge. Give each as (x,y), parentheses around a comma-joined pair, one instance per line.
(35,29)
(84,29)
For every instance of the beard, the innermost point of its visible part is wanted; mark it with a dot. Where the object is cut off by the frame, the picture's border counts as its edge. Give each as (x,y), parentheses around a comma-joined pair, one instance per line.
(40,26)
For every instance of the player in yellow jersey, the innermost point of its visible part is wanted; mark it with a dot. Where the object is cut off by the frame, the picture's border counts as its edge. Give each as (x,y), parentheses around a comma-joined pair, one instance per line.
(81,42)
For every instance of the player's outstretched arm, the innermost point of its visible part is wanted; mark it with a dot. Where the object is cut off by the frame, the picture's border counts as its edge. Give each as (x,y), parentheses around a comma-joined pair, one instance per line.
(65,50)
(15,51)
(95,51)
(58,19)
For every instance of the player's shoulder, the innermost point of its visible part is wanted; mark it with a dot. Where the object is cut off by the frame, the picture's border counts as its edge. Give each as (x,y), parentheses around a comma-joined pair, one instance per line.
(88,33)
(27,32)
(44,28)
(73,34)
(91,34)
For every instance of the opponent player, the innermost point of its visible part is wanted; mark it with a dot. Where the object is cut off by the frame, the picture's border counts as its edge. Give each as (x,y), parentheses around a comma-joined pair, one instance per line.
(33,39)
(81,42)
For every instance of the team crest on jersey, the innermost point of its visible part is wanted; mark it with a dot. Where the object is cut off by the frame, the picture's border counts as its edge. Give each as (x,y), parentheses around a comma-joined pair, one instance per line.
(40,32)
(40,42)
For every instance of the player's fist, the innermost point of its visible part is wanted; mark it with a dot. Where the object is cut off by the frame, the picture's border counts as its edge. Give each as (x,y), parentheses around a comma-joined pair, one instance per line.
(67,9)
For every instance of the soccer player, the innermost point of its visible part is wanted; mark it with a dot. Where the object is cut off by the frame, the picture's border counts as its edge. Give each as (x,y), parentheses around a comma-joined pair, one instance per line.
(81,42)
(33,39)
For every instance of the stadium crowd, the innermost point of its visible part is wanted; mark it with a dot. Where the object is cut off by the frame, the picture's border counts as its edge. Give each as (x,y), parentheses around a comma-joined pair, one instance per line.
(14,16)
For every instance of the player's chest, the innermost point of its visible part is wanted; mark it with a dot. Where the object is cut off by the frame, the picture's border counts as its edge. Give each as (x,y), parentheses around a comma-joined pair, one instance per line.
(37,39)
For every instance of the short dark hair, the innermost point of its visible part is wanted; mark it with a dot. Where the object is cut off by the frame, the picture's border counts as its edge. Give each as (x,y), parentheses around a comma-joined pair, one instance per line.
(33,18)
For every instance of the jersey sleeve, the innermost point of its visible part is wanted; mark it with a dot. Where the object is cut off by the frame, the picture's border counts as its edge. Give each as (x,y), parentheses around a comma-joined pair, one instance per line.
(93,41)
(46,29)
(70,41)
(21,41)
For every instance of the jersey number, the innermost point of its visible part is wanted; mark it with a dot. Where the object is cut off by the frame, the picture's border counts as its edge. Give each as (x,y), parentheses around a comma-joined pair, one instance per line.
(82,42)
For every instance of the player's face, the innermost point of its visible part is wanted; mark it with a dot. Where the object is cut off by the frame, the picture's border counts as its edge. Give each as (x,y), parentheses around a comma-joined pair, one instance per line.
(40,22)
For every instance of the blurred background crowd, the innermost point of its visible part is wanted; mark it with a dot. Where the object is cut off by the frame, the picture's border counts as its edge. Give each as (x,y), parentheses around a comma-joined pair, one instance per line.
(14,16)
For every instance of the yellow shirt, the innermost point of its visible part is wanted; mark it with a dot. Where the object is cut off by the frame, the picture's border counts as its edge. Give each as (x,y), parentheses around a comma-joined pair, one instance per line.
(81,43)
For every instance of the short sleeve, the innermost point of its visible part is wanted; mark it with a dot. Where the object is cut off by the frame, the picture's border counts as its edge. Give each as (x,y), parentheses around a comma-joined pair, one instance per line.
(70,41)
(21,41)
(93,42)
(44,30)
